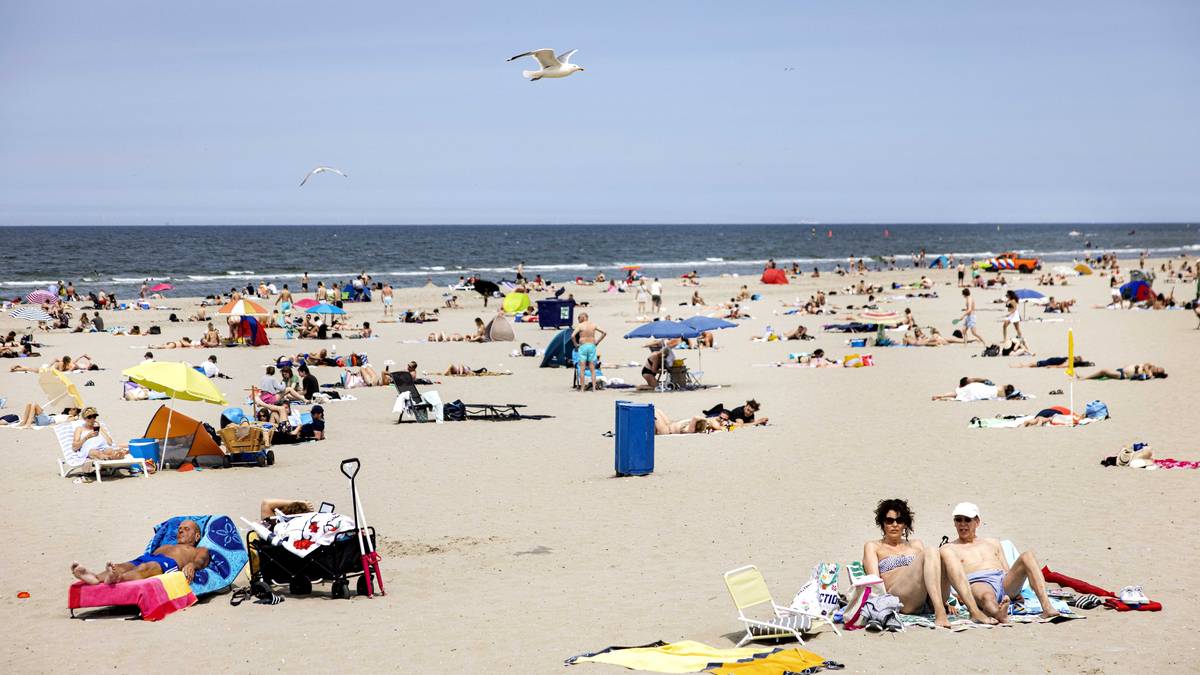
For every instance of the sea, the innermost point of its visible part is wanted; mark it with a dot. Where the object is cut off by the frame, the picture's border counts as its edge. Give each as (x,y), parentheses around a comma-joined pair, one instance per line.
(202,260)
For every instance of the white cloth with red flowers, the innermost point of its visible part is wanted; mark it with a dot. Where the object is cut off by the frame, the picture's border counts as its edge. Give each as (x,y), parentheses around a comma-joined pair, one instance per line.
(305,533)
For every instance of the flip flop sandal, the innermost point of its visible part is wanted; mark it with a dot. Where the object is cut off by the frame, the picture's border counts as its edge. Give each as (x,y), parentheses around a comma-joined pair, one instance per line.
(1056,392)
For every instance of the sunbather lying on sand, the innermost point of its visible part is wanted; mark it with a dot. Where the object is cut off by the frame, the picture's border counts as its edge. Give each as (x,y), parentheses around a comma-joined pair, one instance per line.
(1054,362)
(183,343)
(979,573)
(185,556)
(63,365)
(1133,371)
(934,339)
(801,333)
(909,572)
(741,414)
(696,425)
(463,370)
(444,337)
(33,411)
(817,360)
(979,389)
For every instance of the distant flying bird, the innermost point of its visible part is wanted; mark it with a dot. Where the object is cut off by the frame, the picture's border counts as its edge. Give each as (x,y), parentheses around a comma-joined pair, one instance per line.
(788,68)
(321,169)
(552,66)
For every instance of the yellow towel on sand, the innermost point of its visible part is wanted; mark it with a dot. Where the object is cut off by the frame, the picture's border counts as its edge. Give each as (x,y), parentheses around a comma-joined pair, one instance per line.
(794,660)
(688,656)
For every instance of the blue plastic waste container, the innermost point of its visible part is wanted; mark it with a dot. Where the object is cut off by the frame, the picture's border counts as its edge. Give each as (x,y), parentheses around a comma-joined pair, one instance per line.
(554,313)
(634,438)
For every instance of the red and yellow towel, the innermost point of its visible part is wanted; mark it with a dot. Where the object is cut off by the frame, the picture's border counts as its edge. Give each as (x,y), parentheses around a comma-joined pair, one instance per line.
(155,597)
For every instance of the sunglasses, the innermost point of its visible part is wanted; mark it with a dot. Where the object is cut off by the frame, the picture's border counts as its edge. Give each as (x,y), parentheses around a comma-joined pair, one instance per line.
(92,417)
(962,519)
(888,520)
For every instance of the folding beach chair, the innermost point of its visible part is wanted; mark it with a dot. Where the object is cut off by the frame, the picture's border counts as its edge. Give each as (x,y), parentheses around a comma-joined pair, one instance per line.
(416,403)
(749,591)
(493,411)
(72,461)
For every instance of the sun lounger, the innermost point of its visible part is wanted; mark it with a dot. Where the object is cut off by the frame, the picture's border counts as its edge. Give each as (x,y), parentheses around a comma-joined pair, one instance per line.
(72,461)
(409,399)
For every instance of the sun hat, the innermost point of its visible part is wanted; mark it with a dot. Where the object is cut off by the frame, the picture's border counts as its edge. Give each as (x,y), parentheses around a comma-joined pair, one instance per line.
(966,509)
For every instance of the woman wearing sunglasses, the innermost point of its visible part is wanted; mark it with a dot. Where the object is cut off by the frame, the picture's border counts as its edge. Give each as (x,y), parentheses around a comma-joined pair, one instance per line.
(908,571)
(92,440)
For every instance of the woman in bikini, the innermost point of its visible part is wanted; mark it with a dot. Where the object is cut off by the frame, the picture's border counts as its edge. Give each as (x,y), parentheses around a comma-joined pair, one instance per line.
(1133,371)
(909,572)
(211,337)
(695,425)
(1013,318)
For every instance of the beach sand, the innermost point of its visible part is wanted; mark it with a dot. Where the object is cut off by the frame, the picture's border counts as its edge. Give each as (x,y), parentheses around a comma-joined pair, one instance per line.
(510,546)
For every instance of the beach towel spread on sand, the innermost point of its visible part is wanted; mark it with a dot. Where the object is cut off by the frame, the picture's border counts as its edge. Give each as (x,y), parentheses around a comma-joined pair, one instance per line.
(155,597)
(686,656)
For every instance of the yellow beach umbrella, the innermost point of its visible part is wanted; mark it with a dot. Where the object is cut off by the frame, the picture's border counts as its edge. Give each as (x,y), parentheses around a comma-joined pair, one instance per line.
(57,385)
(243,308)
(177,380)
(1071,367)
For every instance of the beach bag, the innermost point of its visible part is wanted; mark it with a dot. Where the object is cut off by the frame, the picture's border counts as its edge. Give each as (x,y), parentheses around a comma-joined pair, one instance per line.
(154,330)
(528,350)
(455,411)
(1096,410)
(991,350)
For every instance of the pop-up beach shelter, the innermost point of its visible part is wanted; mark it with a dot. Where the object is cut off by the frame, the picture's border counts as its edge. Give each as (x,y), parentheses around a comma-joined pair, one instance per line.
(499,330)
(515,303)
(939,262)
(182,437)
(774,276)
(558,352)
(253,333)
(1136,291)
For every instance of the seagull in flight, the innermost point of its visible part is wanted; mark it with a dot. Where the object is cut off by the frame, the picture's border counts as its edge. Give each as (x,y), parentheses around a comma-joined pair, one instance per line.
(551,65)
(321,169)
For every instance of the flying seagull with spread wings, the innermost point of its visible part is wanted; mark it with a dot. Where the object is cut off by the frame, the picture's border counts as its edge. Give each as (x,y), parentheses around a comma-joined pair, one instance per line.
(551,65)
(321,169)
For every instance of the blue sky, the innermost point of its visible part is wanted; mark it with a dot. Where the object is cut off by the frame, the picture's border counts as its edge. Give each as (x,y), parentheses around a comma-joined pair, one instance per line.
(152,112)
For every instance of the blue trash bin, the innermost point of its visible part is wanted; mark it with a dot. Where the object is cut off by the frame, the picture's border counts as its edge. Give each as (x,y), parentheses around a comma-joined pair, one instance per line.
(554,313)
(634,439)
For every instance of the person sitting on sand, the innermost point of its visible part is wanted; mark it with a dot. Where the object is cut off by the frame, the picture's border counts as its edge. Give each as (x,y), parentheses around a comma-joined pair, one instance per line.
(979,389)
(979,573)
(695,425)
(696,299)
(183,343)
(654,364)
(444,337)
(184,556)
(742,414)
(1058,306)
(1133,371)
(24,352)
(800,333)
(1054,362)
(412,370)
(909,572)
(211,337)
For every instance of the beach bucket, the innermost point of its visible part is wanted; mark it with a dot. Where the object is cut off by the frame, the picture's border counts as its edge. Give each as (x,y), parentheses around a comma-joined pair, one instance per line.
(858,342)
(144,448)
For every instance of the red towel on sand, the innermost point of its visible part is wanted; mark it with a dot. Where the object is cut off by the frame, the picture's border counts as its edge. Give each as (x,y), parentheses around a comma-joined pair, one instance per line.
(1109,597)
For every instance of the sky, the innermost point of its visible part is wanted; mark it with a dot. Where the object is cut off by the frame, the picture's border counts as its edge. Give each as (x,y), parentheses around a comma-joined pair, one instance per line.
(688,112)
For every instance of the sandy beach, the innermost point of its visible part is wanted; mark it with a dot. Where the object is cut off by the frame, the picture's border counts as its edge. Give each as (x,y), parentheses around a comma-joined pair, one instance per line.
(510,546)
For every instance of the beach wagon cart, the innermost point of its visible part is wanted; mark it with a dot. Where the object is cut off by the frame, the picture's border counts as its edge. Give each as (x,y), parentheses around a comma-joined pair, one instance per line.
(336,563)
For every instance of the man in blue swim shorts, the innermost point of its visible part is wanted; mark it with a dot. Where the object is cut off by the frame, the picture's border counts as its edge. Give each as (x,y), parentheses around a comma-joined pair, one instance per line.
(979,573)
(585,339)
(184,555)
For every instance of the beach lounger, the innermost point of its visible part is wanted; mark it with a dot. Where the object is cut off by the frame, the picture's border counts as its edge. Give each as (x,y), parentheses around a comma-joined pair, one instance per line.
(409,399)
(749,592)
(72,461)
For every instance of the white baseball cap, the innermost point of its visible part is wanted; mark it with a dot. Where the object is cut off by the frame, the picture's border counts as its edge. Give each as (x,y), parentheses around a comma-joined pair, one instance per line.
(966,509)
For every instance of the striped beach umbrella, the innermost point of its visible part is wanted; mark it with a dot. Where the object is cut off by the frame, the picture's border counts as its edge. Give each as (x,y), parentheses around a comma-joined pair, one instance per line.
(244,308)
(39,296)
(31,314)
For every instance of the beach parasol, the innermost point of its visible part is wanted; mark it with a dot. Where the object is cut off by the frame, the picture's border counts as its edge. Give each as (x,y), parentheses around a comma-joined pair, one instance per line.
(485,288)
(31,314)
(663,330)
(56,385)
(705,324)
(306,303)
(1071,367)
(886,318)
(243,308)
(177,380)
(1029,295)
(159,288)
(325,308)
(39,296)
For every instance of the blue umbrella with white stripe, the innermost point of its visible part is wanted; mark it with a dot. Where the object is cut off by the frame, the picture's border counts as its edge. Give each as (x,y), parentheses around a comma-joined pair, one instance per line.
(31,314)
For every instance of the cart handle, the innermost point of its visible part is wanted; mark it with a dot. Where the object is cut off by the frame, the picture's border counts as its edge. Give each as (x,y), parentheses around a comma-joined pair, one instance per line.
(353,471)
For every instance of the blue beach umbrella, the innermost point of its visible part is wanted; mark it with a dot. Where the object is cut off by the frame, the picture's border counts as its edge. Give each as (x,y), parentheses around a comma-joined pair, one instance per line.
(325,308)
(707,323)
(1028,294)
(663,330)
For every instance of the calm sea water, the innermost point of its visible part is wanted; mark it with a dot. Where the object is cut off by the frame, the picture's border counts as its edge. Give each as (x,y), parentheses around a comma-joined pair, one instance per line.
(202,260)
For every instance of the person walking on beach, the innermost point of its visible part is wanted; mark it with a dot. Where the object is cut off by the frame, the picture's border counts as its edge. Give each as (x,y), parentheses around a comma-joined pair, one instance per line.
(962,273)
(304,283)
(656,296)
(521,271)
(585,339)
(642,296)
(968,319)
(1013,316)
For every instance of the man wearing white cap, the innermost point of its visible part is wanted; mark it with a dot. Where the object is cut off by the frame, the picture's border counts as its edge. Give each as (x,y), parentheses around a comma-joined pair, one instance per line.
(980,574)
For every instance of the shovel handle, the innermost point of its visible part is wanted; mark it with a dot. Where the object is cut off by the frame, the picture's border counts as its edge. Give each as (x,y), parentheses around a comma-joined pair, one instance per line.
(350,467)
